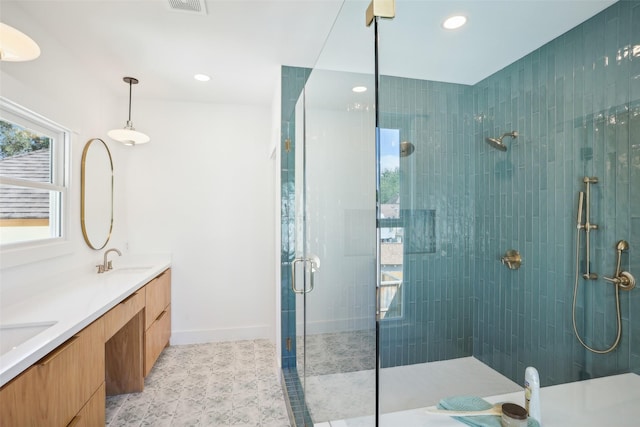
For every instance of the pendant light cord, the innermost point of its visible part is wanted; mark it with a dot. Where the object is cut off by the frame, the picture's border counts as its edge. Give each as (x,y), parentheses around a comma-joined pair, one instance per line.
(130,86)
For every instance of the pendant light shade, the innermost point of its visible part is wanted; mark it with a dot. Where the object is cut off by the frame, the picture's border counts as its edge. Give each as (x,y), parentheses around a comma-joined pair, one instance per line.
(16,46)
(128,135)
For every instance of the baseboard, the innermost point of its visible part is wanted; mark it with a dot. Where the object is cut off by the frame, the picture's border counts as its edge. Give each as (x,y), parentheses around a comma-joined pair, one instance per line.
(219,335)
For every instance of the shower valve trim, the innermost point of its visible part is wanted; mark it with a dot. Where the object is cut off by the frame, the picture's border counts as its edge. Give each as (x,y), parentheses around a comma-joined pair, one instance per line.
(623,279)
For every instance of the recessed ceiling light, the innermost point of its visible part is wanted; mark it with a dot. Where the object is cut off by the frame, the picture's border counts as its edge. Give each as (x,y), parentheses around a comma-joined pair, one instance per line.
(454,22)
(202,77)
(359,89)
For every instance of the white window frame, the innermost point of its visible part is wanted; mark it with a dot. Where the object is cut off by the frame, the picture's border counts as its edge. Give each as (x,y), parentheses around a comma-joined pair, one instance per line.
(13,254)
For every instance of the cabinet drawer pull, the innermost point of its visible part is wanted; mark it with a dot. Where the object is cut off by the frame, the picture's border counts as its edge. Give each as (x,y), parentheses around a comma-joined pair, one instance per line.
(161,315)
(45,361)
(127,299)
(74,421)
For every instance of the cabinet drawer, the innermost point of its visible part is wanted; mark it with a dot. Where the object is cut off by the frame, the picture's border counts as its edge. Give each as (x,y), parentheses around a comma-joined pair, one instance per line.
(93,413)
(119,315)
(158,297)
(156,338)
(55,388)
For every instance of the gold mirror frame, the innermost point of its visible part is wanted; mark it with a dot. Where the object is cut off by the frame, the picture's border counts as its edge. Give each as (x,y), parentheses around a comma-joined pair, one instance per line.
(83,195)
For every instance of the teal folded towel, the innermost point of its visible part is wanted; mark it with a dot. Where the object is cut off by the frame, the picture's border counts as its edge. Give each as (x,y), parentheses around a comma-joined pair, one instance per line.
(473,403)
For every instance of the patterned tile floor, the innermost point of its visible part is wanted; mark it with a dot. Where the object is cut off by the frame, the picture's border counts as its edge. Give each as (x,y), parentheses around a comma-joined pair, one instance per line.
(216,384)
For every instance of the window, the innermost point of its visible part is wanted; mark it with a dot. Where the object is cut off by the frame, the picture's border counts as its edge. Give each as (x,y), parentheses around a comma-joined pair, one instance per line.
(33,179)
(391,227)
(403,231)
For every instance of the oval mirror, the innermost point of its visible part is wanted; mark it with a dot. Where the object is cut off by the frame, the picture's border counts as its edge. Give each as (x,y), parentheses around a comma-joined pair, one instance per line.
(96,198)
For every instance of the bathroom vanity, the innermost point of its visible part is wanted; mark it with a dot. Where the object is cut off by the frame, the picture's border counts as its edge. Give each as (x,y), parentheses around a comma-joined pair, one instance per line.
(94,336)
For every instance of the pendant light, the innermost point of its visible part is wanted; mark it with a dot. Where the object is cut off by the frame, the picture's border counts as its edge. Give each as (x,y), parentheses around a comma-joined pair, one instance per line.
(16,46)
(128,135)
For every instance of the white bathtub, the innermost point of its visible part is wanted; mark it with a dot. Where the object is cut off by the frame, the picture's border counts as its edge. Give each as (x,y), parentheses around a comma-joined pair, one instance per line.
(608,401)
(351,395)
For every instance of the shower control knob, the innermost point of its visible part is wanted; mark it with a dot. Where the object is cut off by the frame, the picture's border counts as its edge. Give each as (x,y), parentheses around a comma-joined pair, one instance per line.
(512,259)
(625,280)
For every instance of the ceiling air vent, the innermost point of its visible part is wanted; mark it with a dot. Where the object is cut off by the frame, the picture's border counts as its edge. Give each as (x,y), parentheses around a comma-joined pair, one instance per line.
(192,6)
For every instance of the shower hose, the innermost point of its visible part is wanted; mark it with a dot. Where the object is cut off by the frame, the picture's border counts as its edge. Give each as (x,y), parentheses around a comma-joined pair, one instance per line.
(573,310)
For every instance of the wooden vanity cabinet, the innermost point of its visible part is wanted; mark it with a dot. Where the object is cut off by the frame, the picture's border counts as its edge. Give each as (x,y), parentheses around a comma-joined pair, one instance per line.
(157,325)
(57,388)
(93,413)
(112,355)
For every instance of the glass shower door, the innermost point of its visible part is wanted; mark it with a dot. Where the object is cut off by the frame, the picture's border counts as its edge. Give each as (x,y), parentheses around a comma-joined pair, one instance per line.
(333,261)
(335,248)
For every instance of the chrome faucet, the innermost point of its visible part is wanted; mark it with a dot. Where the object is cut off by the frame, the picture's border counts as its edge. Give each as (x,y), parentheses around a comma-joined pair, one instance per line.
(106,264)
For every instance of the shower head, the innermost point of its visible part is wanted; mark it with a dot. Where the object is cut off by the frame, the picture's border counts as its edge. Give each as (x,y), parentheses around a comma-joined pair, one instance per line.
(406,148)
(497,142)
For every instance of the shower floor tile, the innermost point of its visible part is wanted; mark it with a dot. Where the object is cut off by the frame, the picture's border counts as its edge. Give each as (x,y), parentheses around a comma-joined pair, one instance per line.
(215,384)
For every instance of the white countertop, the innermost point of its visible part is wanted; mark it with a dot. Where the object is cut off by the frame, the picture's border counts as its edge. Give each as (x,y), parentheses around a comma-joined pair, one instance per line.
(72,305)
(607,401)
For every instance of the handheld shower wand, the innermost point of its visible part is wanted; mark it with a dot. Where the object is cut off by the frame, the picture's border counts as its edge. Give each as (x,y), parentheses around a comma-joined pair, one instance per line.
(622,280)
(580,208)
(621,246)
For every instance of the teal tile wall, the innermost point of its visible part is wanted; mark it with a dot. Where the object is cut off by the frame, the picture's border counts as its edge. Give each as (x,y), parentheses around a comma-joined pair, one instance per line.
(575,103)
(437,177)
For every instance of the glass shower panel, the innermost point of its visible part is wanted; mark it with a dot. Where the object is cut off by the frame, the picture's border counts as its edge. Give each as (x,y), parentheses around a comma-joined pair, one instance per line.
(335,227)
(340,241)
(299,274)
(426,335)
(468,324)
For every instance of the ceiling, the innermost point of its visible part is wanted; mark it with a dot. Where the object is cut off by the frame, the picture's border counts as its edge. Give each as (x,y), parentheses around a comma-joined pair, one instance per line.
(241,44)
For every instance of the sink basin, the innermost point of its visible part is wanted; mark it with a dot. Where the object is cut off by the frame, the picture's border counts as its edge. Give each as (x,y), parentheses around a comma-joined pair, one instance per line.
(11,336)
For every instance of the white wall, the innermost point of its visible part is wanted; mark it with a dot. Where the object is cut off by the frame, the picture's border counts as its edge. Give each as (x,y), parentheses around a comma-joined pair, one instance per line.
(61,88)
(202,190)
(275,153)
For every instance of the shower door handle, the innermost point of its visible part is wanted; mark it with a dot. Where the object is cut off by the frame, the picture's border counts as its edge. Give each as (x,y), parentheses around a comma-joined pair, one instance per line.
(314,263)
(293,275)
